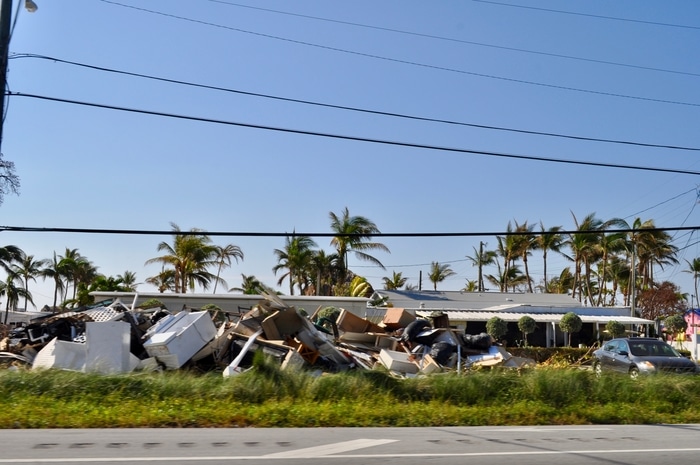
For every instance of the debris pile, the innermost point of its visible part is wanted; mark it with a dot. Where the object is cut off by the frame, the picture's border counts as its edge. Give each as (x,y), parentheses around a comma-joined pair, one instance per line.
(117,339)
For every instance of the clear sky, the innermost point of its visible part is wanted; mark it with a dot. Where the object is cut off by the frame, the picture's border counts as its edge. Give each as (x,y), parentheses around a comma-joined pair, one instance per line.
(623,71)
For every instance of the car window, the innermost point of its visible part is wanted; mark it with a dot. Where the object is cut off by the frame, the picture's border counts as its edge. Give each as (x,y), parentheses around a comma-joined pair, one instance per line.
(610,346)
(640,349)
(623,347)
(665,350)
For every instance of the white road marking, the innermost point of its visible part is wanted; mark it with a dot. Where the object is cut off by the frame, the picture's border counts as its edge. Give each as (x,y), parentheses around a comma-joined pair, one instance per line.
(316,455)
(326,449)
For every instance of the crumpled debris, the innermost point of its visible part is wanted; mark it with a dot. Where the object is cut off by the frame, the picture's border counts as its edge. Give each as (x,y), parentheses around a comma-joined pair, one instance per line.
(115,338)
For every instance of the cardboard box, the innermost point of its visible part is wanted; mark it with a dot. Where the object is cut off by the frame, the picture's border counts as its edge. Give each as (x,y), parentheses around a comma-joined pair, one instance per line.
(396,318)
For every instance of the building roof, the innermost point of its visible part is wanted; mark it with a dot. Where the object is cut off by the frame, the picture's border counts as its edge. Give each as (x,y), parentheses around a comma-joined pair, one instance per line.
(477,300)
(467,315)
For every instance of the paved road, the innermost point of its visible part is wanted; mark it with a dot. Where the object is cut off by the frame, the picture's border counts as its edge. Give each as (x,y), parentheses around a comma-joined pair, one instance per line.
(541,445)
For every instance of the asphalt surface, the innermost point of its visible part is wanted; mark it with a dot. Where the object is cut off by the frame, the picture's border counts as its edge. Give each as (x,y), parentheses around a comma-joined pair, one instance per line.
(541,445)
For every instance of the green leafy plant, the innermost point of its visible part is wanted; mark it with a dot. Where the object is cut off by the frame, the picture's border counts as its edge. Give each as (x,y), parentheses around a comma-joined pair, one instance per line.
(570,323)
(526,325)
(615,329)
(496,327)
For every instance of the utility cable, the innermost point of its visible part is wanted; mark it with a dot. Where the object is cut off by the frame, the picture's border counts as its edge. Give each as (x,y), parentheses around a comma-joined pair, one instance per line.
(653,23)
(357,138)
(317,234)
(459,41)
(347,108)
(408,62)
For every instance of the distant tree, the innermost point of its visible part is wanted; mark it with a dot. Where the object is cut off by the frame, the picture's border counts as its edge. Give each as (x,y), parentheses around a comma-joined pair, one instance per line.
(570,323)
(28,269)
(394,282)
(480,259)
(354,234)
(128,281)
(471,286)
(496,327)
(296,257)
(163,281)
(526,325)
(223,256)
(438,273)
(190,255)
(660,300)
(9,181)
(675,325)
(13,293)
(615,329)
(249,286)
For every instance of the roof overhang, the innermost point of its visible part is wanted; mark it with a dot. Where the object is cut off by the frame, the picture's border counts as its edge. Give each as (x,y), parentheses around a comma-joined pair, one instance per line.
(464,315)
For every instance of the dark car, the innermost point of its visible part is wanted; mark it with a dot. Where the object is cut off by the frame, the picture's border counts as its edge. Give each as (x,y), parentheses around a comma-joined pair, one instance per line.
(640,355)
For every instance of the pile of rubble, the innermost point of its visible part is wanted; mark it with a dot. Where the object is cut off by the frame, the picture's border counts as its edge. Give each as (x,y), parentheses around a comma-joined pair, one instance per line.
(118,339)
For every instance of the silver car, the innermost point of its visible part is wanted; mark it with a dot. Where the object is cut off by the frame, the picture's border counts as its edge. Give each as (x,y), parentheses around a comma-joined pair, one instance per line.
(639,355)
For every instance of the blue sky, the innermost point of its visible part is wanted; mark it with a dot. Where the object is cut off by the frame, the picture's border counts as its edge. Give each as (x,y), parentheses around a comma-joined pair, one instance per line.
(624,70)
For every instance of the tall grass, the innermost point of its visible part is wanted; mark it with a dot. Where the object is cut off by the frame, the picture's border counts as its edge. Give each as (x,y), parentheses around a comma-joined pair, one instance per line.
(266,396)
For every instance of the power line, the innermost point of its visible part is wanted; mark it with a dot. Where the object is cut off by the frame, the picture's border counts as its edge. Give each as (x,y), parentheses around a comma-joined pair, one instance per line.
(408,62)
(459,41)
(653,23)
(355,109)
(145,232)
(356,138)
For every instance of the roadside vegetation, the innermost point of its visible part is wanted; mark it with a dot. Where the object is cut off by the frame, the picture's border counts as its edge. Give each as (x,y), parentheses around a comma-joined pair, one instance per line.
(266,396)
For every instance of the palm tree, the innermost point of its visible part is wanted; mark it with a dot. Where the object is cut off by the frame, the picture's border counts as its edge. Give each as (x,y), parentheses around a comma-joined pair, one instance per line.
(563,284)
(295,258)
(438,273)
(583,245)
(128,281)
(190,255)
(250,285)
(394,282)
(482,258)
(647,247)
(694,269)
(8,255)
(327,269)
(524,242)
(513,279)
(508,249)
(13,293)
(353,234)
(610,245)
(29,269)
(55,271)
(549,239)
(223,256)
(163,281)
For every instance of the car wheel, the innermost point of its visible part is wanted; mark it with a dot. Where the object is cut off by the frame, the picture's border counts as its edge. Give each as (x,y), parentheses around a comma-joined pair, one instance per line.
(634,372)
(597,369)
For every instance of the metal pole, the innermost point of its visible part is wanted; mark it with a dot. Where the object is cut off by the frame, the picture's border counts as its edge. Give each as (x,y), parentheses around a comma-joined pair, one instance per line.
(5,21)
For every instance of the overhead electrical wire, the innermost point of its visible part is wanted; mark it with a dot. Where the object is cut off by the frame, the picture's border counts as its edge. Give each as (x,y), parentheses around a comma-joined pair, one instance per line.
(459,41)
(325,234)
(357,138)
(408,62)
(612,18)
(348,108)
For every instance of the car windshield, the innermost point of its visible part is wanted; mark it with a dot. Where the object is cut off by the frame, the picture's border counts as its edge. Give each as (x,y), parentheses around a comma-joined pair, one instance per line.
(652,349)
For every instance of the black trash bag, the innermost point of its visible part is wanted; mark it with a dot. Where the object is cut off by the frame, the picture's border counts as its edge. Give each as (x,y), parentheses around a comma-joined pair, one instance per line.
(441,352)
(413,329)
(477,341)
